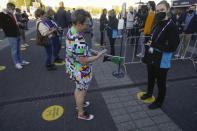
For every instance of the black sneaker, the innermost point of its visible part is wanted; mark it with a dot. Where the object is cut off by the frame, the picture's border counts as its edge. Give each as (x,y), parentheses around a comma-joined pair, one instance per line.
(51,67)
(154,105)
(86,116)
(146,96)
(58,60)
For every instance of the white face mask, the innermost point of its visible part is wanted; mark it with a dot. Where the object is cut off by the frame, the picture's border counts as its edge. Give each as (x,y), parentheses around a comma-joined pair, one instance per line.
(11,11)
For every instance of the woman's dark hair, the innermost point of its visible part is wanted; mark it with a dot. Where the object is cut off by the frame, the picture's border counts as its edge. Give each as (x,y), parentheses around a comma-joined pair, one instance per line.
(152,5)
(10,4)
(80,16)
(104,11)
(18,10)
(39,12)
(144,9)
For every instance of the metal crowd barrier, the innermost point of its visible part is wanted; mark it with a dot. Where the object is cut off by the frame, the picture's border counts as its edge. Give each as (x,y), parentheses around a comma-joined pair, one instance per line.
(132,46)
(188,42)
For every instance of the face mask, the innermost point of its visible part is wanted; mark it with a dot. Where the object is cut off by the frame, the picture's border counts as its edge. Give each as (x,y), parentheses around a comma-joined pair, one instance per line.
(160,16)
(11,11)
(191,11)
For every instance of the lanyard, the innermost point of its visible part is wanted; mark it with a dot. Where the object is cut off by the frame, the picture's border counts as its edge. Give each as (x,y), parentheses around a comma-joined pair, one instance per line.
(160,31)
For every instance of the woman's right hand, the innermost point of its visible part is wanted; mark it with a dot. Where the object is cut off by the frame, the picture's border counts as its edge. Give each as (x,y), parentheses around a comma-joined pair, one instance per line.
(100,54)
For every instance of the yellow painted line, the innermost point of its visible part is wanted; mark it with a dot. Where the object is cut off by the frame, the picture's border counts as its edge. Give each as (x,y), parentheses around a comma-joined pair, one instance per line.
(1,40)
(33,39)
(63,46)
(23,49)
(60,64)
(52,113)
(2,68)
(150,100)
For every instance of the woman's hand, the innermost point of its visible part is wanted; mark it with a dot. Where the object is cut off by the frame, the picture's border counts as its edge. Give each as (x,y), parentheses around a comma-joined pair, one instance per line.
(86,60)
(149,43)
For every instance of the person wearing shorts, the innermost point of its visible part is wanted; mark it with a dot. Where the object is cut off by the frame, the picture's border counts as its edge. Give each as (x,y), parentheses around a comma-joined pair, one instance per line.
(79,59)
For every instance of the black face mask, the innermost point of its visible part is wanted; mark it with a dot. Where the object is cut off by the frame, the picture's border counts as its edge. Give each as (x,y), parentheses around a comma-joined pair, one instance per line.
(160,16)
(191,11)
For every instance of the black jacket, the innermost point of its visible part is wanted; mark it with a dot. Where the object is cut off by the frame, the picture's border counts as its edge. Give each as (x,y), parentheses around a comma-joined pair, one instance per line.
(164,43)
(113,25)
(192,28)
(61,18)
(8,25)
(103,21)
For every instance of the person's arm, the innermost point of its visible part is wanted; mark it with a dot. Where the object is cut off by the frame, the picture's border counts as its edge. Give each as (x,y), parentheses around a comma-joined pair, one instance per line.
(86,60)
(44,30)
(172,39)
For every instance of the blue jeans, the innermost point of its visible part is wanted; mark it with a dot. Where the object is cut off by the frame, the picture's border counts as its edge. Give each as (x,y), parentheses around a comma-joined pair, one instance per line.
(15,45)
(141,42)
(65,30)
(49,52)
(56,46)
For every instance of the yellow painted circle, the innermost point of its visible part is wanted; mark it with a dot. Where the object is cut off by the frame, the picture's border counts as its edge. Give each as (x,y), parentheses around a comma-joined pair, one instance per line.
(23,49)
(52,113)
(2,68)
(150,100)
(63,47)
(33,39)
(97,45)
(60,64)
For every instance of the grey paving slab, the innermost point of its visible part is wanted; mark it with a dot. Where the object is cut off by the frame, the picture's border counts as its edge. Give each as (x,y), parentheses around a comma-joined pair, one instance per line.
(155,112)
(151,128)
(161,119)
(138,115)
(127,126)
(169,127)
(132,109)
(118,112)
(126,98)
(130,103)
(115,106)
(121,119)
(112,100)
(144,122)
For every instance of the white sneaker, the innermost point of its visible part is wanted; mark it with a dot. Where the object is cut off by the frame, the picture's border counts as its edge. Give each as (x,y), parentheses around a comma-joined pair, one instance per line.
(26,45)
(139,55)
(18,66)
(177,55)
(182,57)
(23,46)
(25,62)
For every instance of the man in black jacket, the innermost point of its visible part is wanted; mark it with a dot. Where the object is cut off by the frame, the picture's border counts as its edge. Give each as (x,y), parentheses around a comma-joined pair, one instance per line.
(103,24)
(61,18)
(9,24)
(187,22)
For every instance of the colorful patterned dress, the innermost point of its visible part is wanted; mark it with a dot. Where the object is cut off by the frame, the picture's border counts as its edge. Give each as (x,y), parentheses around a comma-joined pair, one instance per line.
(77,47)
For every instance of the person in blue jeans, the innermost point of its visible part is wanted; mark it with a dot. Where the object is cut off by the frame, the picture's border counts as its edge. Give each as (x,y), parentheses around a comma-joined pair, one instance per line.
(44,30)
(56,43)
(10,26)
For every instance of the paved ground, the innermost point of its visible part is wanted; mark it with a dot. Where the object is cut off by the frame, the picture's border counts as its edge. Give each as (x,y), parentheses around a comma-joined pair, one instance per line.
(25,94)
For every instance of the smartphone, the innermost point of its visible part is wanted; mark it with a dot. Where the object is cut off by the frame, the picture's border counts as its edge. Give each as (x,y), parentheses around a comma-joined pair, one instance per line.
(102,51)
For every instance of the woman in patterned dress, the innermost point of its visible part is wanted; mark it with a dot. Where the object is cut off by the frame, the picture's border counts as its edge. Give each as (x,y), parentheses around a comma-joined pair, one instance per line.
(78,60)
